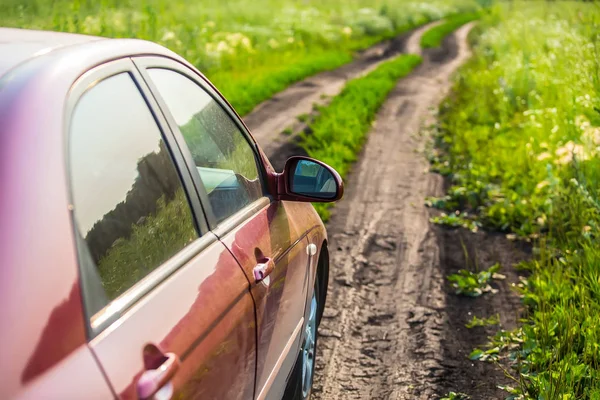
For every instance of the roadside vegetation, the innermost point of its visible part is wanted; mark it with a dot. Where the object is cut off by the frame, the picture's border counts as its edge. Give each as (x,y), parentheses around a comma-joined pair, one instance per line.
(250,50)
(477,322)
(341,128)
(436,35)
(519,140)
(474,284)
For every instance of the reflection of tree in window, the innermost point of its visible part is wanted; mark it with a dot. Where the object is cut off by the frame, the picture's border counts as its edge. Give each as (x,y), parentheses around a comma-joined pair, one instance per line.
(144,230)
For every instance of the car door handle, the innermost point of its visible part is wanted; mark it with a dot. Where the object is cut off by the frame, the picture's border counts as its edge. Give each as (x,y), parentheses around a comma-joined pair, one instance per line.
(263,269)
(155,383)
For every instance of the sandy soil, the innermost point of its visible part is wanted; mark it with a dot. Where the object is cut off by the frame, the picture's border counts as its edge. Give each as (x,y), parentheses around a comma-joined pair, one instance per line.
(392,329)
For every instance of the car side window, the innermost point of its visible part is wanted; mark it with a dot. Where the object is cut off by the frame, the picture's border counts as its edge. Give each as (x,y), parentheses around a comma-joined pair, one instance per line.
(223,156)
(129,204)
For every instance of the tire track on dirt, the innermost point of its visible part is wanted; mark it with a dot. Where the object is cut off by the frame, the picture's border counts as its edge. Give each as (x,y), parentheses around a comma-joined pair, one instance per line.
(270,118)
(381,335)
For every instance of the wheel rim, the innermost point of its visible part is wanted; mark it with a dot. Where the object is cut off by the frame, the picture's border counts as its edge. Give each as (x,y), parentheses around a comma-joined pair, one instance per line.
(308,348)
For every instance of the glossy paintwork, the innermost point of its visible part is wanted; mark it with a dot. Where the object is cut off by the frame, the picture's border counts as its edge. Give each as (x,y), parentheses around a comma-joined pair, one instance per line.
(204,312)
(77,376)
(279,232)
(39,289)
(18,45)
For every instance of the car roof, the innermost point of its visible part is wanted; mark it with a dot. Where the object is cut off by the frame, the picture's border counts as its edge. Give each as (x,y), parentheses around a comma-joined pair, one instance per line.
(20,45)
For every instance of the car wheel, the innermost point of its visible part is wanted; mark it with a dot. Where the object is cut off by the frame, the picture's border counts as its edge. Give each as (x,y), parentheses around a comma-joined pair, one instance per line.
(300,383)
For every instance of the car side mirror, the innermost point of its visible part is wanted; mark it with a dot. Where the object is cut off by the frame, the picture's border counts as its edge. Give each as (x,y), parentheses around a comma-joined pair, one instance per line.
(306,179)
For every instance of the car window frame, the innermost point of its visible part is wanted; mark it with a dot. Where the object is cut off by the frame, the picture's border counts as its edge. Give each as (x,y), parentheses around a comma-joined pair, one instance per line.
(97,322)
(220,229)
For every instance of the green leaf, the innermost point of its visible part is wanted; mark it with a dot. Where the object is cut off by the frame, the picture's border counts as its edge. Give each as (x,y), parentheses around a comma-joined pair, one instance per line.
(476,354)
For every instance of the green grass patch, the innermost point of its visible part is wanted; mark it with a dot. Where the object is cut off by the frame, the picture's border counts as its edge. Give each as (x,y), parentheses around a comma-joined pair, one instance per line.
(341,128)
(473,284)
(476,321)
(456,396)
(436,35)
(250,50)
(519,139)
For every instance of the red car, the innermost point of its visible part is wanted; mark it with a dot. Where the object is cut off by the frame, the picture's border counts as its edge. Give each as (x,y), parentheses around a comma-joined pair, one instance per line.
(147,247)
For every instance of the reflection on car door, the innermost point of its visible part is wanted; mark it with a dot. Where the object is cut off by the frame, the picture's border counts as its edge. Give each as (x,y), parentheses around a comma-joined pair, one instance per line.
(247,222)
(152,285)
(280,299)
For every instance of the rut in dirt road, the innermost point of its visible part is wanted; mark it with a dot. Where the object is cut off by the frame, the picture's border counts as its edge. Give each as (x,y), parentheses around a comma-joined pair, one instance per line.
(270,118)
(381,334)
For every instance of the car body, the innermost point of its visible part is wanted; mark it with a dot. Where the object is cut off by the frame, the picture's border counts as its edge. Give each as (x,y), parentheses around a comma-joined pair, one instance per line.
(147,246)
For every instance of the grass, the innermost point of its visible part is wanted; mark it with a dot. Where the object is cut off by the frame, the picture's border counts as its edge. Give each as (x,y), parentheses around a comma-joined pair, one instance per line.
(456,396)
(341,128)
(436,35)
(473,284)
(476,321)
(250,50)
(519,140)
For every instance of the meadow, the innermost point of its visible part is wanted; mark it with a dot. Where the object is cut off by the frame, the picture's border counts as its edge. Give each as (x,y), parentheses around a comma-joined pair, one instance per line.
(519,139)
(249,49)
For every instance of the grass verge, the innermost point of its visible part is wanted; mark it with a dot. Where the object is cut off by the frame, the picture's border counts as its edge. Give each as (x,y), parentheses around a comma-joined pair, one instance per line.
(341,128)
(519,139)
(434,36)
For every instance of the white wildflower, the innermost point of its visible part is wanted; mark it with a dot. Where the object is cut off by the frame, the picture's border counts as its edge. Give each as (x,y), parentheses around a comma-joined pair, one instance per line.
(91,25)
(542,185)
(541,221)
(582,122)
(569,151)
(544,156)
(168,35)
(223,47)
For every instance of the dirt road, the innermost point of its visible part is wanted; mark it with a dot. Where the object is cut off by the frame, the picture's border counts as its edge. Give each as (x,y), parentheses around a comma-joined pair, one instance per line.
(381,335)
(390,330)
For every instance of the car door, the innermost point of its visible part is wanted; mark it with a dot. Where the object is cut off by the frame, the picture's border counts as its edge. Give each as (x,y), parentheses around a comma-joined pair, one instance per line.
(260,233)
(168,308)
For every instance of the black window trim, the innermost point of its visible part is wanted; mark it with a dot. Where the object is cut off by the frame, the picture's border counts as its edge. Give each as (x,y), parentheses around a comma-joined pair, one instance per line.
(115,309)
(220,229)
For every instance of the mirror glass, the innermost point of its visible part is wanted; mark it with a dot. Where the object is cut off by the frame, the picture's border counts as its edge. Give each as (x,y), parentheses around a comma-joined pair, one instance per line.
(313,180)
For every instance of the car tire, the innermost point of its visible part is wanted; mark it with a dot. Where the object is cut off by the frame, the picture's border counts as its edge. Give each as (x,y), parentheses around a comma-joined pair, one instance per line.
(323,277)
(299,386)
